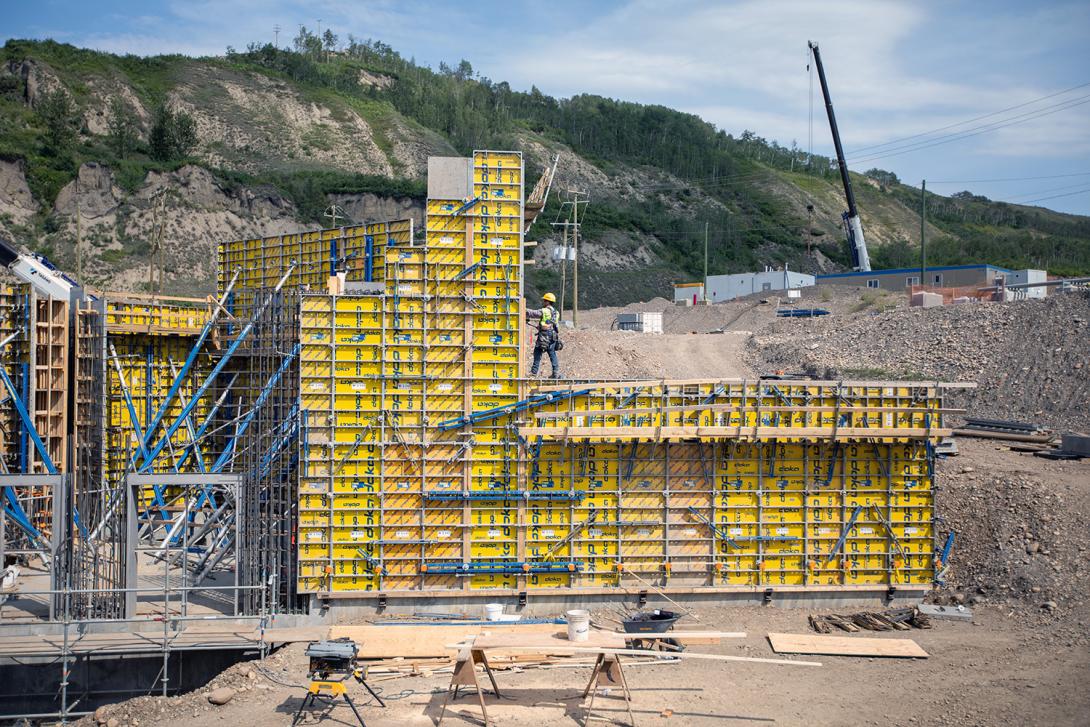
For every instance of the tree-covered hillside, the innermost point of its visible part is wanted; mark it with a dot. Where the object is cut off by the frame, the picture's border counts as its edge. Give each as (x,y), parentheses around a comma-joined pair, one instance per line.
(348,121)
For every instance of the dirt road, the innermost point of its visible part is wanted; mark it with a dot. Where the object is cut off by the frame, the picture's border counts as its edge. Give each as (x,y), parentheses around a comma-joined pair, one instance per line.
(625,355)
(995,671)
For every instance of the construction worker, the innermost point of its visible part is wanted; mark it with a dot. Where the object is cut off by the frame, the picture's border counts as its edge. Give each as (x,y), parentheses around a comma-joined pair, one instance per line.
(548,333)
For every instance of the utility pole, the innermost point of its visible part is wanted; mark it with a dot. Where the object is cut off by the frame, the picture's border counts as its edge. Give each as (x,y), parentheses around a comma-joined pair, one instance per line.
(157,250)
(923,234)
(564,270)
(705,288)
(335,212)
(79,238)
(276,36)
(575,263)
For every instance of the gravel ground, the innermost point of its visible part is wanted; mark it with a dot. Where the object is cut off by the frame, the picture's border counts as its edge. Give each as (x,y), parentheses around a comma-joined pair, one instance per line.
(1031,359)
(1020,558)
(1022,661)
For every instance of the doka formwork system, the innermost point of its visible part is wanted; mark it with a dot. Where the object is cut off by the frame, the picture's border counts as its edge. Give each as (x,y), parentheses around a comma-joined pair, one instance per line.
(94,549)
(387,446)
(425,474)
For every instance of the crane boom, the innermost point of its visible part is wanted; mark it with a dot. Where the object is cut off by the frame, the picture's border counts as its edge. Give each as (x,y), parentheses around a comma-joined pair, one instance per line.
(852,225)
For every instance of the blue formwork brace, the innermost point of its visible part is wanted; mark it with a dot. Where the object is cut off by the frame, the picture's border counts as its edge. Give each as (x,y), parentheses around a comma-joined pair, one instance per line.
(28,424)
(713,527)
(465,207)
(190,359)
(499,566)
(228,450)
(18,515)
(219,367)
(843,535)
(148,379)
(368,258)
(24,438)
(135,420)
(289,430)
(467,271)
(192,447)
(943,560)
(536,495)
(488,414)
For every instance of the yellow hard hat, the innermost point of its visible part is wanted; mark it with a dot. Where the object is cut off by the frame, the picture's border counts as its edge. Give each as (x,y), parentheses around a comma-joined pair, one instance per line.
(549,297)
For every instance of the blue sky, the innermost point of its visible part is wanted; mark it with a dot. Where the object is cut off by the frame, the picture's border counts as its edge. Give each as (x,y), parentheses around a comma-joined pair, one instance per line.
(896,69)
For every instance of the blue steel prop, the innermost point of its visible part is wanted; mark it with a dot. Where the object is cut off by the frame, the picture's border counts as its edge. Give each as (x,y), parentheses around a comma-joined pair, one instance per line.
(371,562)
(24,436)
(465,207)
(499,566)
(467,271)
(843,535)
(32,432)
(191,447)
(488,414)
(505,495)
(192,432)
(190,359)
(219,367)
(713,527)
(228,450)
(943,560)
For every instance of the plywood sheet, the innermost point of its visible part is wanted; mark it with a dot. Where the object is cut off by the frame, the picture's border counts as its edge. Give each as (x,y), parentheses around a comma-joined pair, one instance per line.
(558,638)
(844,646)
(385,642)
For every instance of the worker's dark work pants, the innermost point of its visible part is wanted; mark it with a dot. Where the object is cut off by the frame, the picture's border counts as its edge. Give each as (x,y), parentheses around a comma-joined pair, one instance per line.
(552,359)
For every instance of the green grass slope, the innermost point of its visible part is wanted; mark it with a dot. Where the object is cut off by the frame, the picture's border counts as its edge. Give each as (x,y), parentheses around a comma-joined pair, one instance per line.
(362,120)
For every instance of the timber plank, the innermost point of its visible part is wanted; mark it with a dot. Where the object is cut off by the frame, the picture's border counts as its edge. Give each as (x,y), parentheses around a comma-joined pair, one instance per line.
(384,642)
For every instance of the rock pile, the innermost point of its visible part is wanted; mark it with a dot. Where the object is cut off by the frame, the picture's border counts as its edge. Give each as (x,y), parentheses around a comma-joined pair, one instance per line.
(1028,357)
(1019,541)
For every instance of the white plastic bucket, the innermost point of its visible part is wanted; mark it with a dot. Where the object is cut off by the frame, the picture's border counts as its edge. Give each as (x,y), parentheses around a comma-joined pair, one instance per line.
(493,611)
(578,625)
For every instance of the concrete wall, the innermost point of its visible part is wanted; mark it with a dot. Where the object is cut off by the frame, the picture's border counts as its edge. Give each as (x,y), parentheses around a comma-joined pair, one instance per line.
(727,287)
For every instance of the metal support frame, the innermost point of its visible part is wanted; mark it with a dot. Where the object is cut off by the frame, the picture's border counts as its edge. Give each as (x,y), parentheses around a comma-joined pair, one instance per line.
(202,540)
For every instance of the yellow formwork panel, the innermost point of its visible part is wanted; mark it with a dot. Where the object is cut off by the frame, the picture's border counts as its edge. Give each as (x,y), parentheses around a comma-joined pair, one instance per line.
(360,251)
(380,373)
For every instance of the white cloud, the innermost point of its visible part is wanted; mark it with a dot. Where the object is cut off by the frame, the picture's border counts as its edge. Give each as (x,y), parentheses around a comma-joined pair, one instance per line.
(896,68)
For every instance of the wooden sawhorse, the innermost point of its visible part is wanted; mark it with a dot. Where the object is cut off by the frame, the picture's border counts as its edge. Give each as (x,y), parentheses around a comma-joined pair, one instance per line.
(607,670)
(608,673)
(465,675)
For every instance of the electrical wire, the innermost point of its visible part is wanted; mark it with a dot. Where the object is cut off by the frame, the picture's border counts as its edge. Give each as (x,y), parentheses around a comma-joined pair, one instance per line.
(969,121)
(976,131)
(1007,179)
(1054,196)
(1048,191)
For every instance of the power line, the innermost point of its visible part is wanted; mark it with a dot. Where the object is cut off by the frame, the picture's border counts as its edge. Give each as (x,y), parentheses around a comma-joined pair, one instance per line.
(1020,119)
(1009,179)
(1049,191)
(1054,196)
(969,121)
